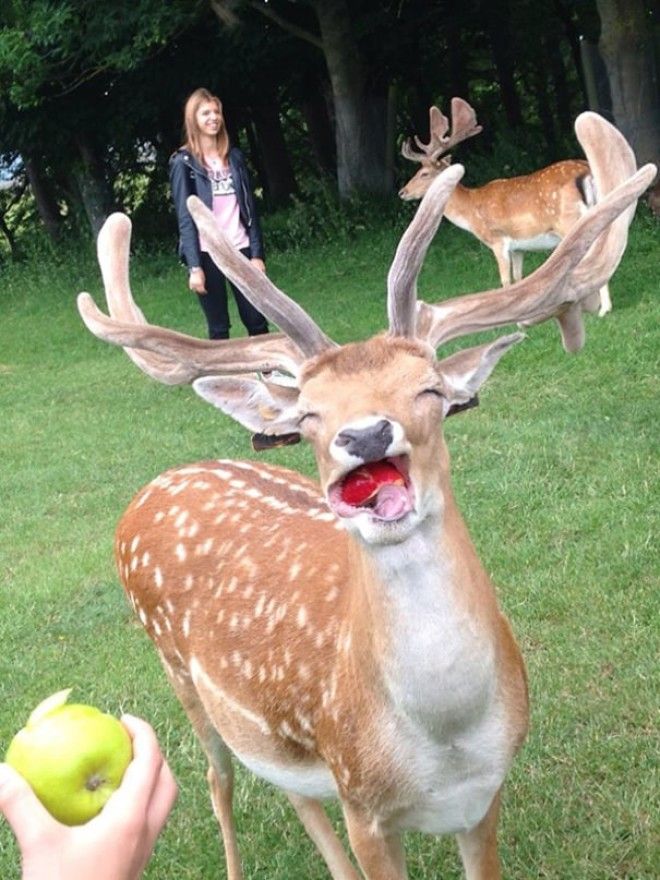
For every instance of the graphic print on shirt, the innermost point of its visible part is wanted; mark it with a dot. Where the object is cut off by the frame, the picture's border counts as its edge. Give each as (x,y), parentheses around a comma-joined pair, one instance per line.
(222,185)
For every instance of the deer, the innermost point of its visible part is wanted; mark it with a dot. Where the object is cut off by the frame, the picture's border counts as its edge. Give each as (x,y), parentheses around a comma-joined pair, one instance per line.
(340,637)
(512,215)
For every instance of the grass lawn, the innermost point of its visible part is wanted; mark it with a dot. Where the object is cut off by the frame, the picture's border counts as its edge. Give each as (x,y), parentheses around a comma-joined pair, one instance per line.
(556,474)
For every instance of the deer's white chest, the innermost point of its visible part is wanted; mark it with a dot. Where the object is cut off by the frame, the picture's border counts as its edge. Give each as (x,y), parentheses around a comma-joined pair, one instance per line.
(451,781)
(448,728)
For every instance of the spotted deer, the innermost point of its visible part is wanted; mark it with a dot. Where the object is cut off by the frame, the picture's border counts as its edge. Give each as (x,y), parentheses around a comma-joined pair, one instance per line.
(340,647)
(512,215)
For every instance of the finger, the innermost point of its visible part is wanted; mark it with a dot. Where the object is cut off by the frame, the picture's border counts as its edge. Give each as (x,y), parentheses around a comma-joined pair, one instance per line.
(25,813)
(142,773)
(162,800)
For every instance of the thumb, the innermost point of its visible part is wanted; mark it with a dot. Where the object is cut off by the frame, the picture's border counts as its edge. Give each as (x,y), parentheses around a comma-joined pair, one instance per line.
(25,813)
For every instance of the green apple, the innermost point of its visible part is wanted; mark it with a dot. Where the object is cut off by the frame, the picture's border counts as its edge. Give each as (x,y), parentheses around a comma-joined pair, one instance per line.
(73,756)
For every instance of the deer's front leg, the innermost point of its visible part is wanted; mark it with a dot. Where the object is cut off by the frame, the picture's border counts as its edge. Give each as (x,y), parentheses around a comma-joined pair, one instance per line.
(502,254)
(478,847)
(319,828)
(517,264)
(380,856)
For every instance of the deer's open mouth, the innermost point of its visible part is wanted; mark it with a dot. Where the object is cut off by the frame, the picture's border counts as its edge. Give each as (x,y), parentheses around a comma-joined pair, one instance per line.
(381,487)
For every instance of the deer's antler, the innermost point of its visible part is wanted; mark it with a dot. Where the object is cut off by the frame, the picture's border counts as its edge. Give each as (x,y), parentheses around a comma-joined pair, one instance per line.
(257,287)
(564,286)
(410,253)
(176,358)
(463,123)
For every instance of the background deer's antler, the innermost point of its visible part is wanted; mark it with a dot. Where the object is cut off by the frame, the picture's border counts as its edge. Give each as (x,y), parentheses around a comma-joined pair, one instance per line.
(567,283)
(463,124)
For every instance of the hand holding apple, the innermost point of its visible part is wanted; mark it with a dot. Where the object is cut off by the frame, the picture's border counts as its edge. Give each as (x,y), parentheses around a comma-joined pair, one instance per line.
(116,844)
(73,756)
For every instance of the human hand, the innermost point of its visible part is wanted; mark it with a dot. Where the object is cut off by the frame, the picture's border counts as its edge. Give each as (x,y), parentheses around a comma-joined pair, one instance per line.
(116,844)
(259,264)
(197,281)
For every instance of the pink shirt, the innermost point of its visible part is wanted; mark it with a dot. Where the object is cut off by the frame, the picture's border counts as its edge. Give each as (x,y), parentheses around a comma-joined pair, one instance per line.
(225,207)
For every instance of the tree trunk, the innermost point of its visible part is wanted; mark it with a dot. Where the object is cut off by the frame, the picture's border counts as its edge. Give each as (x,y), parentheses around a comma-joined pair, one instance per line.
(458,75)
(499,30)
(360,114)
(561,90)
(280,182)
(44,199)
(92,185)
(543,104)
(627,48)
(9,235)
(315,110)
(574,38)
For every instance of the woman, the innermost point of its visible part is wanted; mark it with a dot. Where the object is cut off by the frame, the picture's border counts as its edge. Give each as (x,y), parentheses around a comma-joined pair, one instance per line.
(208,167)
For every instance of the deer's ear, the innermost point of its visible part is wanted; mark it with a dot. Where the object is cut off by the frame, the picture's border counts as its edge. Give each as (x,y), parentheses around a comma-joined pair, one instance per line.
(259,406)
(465,372)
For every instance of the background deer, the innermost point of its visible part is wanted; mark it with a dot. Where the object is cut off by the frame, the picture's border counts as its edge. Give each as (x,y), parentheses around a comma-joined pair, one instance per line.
(344,640)
(509,215)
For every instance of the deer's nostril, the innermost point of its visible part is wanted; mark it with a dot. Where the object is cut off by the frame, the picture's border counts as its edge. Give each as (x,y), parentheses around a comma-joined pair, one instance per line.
(367,444)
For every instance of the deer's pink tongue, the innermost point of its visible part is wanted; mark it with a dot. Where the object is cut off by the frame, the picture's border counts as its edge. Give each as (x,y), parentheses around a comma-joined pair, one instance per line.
(392,501)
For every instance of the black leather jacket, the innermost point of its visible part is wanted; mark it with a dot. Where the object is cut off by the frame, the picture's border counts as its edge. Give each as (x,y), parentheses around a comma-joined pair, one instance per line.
(187,178)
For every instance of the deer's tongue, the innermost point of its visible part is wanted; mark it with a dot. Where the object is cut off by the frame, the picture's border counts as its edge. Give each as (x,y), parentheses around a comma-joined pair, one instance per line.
(392,501)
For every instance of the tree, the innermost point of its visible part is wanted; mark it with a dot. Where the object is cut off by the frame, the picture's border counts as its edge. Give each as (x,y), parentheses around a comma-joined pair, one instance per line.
(359,101)
(59,66)
(627,47)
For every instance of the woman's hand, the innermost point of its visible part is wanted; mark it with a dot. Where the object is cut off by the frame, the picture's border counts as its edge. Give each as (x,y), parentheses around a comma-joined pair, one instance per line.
(116,844)
(259,264)
(197,280)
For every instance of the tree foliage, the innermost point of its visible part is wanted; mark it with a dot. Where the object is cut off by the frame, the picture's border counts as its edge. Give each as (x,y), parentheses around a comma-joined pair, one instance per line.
(314,90)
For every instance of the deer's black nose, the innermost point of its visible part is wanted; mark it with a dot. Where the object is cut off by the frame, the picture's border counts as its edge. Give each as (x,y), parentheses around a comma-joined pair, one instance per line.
(368,444)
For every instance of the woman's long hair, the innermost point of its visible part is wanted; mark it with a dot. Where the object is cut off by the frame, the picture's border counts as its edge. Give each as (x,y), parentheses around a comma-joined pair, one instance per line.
(191,136)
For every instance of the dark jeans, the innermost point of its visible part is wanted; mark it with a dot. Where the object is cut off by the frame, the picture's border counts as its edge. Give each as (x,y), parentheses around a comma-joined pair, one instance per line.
(214,303)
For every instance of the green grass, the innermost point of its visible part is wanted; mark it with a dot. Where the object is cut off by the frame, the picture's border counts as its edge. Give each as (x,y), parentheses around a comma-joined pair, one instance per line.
(556,473)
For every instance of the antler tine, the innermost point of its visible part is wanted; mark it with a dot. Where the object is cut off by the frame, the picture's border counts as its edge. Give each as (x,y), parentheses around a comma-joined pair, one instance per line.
(464,123)
(438,125)
(410,253)
(584,261)
(257,287)
(463,126)
(611,160)
(165,355)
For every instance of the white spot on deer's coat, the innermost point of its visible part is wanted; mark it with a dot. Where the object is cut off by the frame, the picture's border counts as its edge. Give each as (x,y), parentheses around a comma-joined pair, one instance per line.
(185,625)
(259,607)
(204,548)
(158,577)
(180,552)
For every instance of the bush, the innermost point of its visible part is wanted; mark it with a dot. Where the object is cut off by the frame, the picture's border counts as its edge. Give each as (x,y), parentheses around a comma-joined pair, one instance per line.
(317,214)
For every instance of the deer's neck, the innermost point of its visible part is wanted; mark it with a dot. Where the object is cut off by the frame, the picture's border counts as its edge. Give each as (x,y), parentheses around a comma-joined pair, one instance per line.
(460,209)
(423,621)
